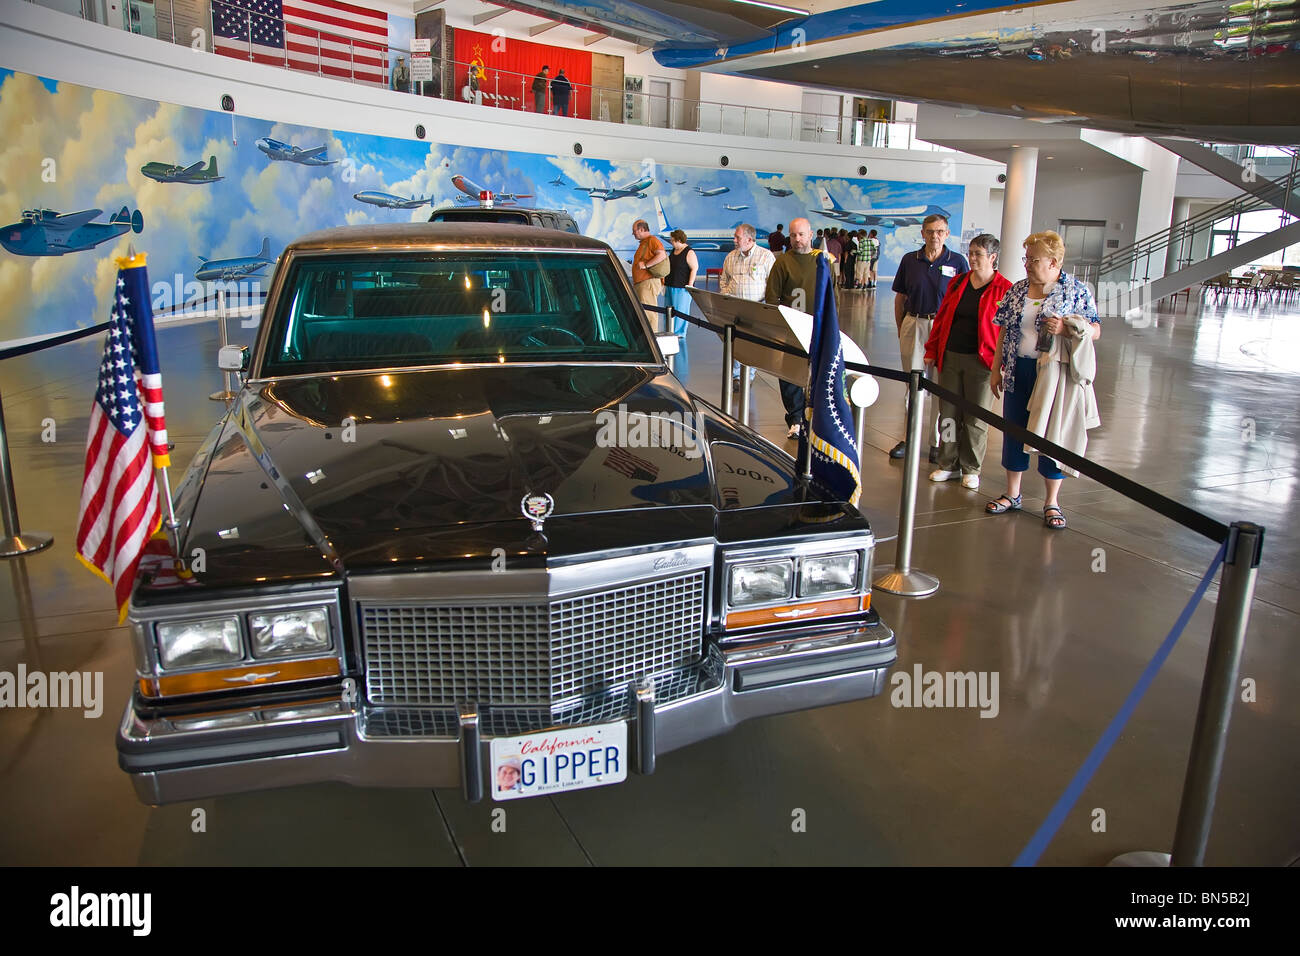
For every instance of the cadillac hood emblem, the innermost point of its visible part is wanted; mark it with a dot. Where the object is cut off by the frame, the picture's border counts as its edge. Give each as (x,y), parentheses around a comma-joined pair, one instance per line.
(537,508)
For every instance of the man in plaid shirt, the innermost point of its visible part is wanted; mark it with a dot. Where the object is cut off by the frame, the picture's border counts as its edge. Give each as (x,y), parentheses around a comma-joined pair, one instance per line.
(744,274)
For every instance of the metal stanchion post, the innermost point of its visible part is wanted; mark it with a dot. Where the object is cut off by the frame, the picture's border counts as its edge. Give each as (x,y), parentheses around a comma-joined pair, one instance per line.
(859,427)
(727,404)
(746,387)
(15,542)
(900,578)
(1218,692)
(225,395)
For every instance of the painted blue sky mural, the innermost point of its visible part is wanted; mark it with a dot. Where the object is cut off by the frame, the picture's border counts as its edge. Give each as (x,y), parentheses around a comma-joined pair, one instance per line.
(70,149)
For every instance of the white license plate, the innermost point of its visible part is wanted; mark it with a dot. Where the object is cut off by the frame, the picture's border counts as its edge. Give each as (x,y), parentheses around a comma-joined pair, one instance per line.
(557,760)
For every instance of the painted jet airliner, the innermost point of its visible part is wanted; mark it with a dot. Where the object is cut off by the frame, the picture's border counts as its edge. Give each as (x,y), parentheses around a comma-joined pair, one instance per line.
(633,190)
(737,208)
(778,192)
(388,200)
(902,216)
(705,240)
(715,191)
(475,191)
(287,152)
(194,175)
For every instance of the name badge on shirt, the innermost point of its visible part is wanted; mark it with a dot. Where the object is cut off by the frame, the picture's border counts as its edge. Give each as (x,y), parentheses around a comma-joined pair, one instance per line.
(949,271)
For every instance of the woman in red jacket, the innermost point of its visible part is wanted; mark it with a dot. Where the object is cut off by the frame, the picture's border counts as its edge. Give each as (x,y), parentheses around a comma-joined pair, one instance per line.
(961,346)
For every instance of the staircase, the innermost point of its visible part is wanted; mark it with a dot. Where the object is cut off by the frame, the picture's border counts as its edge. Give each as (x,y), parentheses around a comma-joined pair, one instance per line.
(1129,270)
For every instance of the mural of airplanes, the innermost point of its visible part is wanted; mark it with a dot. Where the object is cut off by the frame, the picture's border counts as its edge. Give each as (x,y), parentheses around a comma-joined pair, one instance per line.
(779,193)
(44,232)
(635,189)
(239,267)
(737,208)
(388,200)
(474,191)
(715,191)
(195,175)
(705,240)
(287,152)
(902,216)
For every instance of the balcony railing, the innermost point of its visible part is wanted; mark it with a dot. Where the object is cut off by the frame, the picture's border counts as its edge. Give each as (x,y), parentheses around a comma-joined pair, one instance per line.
(372,63)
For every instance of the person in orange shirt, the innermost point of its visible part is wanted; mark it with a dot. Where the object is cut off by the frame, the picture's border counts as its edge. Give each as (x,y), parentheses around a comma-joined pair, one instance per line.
(650,252)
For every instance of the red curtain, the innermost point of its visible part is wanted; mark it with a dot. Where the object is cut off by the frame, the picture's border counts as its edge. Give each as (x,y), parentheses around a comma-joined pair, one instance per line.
(509,66)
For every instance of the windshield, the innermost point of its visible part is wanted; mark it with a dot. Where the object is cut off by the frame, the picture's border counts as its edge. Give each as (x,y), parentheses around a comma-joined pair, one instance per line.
(394,311)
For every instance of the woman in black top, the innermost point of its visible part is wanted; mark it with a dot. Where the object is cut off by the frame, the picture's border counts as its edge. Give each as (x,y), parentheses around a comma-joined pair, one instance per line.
(682,268)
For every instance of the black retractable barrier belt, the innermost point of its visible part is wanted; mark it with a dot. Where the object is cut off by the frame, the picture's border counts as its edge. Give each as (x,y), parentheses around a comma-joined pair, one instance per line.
(28,347)
(1189,518)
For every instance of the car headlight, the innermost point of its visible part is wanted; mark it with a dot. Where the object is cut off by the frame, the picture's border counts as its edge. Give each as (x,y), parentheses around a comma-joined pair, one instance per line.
(288,633)
(760,583)
(199,643)
(828,574)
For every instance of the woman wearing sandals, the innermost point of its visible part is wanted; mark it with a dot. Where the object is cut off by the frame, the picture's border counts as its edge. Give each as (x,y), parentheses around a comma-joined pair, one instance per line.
(1034,309)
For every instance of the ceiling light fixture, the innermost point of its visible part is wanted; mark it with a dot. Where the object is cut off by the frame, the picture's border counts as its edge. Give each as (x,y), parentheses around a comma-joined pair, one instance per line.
(773,6)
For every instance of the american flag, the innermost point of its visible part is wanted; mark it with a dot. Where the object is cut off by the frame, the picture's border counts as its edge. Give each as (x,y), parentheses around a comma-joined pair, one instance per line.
(628,464)
(836,460)
(317,36)
(119,501)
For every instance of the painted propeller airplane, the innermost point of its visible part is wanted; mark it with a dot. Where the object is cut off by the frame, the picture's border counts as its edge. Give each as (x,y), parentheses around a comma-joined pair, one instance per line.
(902,216)
(238,267)
(778,192)
(475,191)
(287,152)
(194,175)
(633,190)
(705,240)
(44,232)
(715,191)
(376,198)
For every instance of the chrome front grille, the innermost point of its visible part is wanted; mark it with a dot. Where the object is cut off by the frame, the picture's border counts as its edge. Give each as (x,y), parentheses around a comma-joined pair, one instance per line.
(530,655)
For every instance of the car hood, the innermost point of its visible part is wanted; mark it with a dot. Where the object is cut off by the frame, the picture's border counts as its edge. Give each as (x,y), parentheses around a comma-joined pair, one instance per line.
(369,470)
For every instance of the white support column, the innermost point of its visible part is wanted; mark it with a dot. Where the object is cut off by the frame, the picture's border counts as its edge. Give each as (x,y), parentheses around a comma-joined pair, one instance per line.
(1177,250)
(1017,209)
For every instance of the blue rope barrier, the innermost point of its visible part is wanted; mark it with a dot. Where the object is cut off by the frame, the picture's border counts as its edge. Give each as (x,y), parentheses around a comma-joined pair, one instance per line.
(1047,831)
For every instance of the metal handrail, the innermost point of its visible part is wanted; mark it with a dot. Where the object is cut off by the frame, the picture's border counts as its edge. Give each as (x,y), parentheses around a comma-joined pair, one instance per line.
(1187,229)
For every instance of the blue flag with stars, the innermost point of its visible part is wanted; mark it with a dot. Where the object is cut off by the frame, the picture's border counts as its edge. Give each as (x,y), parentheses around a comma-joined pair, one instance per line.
(835,459)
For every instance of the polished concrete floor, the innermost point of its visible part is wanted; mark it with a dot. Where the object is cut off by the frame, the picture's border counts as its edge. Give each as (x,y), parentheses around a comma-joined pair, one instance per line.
(1201,406)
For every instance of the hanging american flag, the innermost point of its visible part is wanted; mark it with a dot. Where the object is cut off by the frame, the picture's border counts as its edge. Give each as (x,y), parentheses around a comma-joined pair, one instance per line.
(119,500)
(316,36)
(835,457)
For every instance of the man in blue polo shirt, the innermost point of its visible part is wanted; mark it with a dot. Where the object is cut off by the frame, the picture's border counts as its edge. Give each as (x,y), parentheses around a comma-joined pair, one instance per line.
(919,285)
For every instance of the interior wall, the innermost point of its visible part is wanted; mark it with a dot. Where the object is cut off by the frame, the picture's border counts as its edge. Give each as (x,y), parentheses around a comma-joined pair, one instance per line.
(1112,197)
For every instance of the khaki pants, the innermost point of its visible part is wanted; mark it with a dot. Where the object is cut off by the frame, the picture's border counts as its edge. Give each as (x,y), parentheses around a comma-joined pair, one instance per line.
(648,290)
(912,336)
(967,376)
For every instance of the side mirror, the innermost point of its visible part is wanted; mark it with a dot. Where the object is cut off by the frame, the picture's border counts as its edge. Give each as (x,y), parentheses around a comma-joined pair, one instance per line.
(233,358)
(669,344)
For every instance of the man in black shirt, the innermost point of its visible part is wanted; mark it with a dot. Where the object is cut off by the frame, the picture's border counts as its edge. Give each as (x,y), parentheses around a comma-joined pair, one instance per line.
(922,279)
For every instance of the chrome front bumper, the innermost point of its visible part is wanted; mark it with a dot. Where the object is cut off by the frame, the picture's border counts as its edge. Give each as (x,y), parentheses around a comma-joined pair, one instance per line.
(172,759)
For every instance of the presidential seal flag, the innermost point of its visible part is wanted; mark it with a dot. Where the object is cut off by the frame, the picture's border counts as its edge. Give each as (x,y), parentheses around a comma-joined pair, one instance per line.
(829,415)
(119,500)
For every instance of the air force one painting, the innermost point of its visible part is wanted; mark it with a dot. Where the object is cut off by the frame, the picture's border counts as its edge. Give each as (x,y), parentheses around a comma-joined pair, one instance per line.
(195,175)
(238,267)
(633,190)
(287,152)
(705,240)
(388,201)
(44,232)
(902,216)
